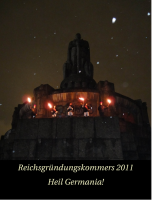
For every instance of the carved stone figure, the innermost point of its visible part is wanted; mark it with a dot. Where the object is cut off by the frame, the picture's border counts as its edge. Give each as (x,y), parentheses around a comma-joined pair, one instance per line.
(78,70)
(78,60)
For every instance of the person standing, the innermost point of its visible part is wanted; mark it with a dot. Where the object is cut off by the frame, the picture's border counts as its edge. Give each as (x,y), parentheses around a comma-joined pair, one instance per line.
(86,110)
(70,110)
(54,111)
(101,109)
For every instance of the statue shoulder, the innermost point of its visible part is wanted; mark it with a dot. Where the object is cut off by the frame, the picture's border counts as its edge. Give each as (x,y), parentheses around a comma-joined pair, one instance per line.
(84,43)
(71,44)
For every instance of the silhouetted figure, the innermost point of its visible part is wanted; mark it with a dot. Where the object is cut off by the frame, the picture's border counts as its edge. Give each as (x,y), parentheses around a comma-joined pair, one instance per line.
(54,111)
(78,60)
(86,109)
(70,110)
(101,109)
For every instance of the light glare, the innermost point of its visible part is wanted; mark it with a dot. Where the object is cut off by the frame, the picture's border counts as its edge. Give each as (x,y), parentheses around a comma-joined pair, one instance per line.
(29,99)
(113,20)
(81,99)
(49,105)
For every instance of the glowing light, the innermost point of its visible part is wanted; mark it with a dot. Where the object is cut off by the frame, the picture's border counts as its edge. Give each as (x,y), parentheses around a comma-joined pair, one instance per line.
(29,99)
(34,106)
(79,71)
(113,20)
(49,105)
(148,13)
(97,63)
(81,98)
(109,101)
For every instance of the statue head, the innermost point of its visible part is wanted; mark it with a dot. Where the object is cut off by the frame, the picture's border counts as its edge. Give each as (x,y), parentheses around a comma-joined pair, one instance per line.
(78,36)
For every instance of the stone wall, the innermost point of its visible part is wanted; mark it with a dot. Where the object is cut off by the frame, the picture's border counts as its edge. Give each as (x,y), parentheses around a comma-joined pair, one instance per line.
(136,141)
(92,138)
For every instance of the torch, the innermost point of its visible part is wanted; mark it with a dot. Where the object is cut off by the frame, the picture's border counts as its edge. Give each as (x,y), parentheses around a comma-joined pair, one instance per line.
(82,99)
(29,100)
(50,106)
(109,101)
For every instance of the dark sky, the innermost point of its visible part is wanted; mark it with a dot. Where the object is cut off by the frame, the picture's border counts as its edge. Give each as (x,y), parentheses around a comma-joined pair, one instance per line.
(34,37)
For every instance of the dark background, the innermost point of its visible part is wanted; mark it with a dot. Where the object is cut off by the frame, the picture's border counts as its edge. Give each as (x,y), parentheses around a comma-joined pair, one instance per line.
(34,37)
(135,184)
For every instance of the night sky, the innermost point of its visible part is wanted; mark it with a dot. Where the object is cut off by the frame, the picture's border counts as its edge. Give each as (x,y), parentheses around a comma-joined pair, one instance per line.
(34,38)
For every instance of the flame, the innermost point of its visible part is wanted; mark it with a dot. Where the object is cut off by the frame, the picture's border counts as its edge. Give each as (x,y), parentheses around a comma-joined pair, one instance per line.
(29,99)
(109,101)
(81,98)
(34,106)
(49,105)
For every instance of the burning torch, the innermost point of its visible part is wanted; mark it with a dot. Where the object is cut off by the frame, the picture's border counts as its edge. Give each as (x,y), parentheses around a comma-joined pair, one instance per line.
(50,106)
(29,100)
(109,101)
(82,99)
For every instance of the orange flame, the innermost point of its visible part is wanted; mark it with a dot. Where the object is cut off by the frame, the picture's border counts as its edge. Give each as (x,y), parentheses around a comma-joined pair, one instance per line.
(81,99)
(49,105)
(29,99)
(109,101)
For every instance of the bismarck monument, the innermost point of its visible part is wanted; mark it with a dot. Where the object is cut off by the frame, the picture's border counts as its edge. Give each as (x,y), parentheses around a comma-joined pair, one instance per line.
(78,70)
(123,131)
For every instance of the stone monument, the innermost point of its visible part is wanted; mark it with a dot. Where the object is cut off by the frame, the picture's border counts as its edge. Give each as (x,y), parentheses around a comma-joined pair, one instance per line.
(78,70)
(122,133)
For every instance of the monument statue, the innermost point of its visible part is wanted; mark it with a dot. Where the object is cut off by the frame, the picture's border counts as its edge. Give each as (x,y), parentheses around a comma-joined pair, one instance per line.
(78,70)
(78,60)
